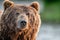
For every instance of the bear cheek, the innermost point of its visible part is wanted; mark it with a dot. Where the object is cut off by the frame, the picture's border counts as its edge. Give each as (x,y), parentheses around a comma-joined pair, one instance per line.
(32,19)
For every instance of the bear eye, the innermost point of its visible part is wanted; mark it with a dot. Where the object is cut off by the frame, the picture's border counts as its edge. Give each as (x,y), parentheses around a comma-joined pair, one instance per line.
(27,14)
(17,13)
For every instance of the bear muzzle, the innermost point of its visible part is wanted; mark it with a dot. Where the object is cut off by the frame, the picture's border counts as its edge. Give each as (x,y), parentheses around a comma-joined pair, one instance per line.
(22,24)
(22,21)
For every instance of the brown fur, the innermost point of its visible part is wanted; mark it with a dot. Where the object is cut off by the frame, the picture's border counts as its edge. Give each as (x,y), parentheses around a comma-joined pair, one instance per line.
(9,19)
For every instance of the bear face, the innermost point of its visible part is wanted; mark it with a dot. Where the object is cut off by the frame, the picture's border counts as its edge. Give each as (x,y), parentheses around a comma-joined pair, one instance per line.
(19,15)
(20,19)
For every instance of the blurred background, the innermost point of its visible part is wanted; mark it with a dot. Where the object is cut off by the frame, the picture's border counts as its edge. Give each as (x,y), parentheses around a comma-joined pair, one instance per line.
(50,17)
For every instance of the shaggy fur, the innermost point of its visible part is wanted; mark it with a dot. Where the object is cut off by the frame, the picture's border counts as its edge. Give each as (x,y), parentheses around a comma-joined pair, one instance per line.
(8,23)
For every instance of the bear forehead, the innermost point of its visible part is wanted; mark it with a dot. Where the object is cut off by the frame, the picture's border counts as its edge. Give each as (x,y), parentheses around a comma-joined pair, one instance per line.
(21,8)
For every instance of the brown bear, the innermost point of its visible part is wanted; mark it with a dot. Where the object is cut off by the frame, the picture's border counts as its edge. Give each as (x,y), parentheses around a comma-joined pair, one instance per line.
(0,13)
(19,22)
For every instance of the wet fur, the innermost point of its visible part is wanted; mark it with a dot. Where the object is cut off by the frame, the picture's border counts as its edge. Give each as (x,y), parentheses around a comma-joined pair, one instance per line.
(8,24)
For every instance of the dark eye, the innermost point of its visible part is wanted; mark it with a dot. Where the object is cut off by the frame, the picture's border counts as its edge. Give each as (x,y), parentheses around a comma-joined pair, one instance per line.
(17,13)
(27,14)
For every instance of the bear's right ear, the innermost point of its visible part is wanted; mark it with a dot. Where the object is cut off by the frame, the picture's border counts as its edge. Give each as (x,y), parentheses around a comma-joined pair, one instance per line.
(35,5)
(7,4)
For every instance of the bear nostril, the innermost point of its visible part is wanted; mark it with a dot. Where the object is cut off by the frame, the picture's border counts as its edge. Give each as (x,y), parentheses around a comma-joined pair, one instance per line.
(23,23)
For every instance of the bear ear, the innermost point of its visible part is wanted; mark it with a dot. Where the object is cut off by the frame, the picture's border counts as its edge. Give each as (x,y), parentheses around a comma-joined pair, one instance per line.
(7,4)
(35,5)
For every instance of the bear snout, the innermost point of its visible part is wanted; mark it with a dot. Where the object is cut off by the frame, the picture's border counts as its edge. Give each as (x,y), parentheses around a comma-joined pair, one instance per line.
(23,23)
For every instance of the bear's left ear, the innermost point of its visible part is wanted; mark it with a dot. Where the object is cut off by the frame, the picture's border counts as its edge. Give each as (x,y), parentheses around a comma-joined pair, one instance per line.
(35,5)
(7,4)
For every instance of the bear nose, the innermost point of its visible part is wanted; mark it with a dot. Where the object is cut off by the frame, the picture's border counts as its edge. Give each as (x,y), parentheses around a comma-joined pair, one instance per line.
(23,23)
